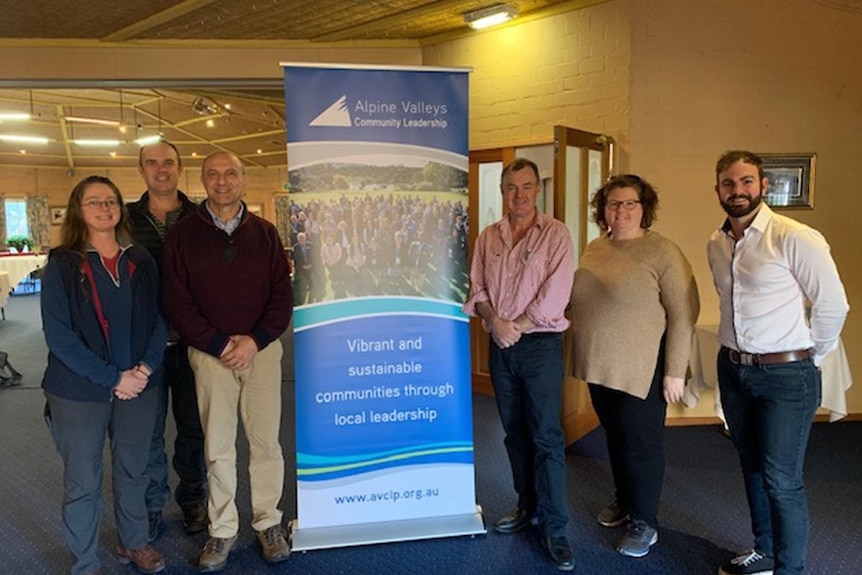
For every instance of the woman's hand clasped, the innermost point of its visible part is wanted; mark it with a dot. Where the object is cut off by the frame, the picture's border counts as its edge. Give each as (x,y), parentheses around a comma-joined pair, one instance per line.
(132,383)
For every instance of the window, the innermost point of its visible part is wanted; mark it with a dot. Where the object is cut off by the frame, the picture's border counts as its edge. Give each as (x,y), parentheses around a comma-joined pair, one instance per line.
(16,218)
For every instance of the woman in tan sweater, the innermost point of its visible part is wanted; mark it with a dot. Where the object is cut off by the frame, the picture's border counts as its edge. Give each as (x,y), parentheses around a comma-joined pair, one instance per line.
(634,303)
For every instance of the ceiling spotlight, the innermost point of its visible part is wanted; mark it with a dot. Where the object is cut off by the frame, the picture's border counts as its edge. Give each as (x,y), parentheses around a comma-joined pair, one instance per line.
(205,107)
(491,16)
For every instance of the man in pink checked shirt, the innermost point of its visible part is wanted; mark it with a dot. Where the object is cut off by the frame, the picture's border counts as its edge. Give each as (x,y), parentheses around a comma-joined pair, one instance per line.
(521,281)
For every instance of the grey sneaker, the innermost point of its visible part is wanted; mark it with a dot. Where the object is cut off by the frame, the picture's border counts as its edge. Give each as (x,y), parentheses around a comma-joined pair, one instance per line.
(613,515)
(750,562)
(274,543)
(638,539)
(215,553)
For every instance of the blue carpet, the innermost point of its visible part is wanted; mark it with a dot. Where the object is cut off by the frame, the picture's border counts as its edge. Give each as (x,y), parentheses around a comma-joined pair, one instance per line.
(703,515)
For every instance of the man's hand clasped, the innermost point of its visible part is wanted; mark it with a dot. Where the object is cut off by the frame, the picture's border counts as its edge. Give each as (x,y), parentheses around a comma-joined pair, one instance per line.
(239,352)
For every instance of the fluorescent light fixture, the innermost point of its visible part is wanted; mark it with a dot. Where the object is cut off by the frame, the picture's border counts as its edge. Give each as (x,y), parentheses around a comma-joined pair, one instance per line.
(491,16)
(92,121)
(97,142)
(14,116)
(23,139)
(147,140)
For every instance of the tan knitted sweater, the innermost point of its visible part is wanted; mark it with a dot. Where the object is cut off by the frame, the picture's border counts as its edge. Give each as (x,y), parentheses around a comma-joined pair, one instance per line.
(627,294)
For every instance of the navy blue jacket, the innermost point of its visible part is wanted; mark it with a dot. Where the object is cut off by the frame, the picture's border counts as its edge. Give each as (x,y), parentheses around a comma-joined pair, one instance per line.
(80,366)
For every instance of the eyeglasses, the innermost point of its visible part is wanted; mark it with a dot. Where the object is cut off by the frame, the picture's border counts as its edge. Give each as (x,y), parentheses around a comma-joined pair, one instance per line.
(629,205)
(111,204)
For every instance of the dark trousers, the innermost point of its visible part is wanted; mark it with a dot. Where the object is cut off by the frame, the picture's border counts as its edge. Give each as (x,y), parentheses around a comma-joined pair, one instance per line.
(769,410)
(79,430)
(528,380)
(635,433)
(188,457)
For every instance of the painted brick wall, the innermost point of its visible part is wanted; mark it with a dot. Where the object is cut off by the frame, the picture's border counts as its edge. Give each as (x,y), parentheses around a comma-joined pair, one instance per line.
(571,69)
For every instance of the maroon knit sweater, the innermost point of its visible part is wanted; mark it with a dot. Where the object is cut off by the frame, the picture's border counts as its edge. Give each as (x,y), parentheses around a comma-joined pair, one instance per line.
(217,285)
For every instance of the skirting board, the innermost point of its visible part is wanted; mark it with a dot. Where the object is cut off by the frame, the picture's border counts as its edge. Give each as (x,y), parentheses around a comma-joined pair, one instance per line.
(386,531)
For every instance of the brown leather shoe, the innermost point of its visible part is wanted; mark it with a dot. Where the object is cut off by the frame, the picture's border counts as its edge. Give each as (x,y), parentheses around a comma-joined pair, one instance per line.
(274,543)
(215,554)
(146,560)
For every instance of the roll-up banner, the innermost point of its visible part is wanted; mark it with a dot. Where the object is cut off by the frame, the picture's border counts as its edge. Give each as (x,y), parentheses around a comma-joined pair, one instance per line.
(378,223)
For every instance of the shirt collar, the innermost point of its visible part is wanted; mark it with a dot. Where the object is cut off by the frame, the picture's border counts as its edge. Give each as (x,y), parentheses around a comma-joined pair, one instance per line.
(760,222)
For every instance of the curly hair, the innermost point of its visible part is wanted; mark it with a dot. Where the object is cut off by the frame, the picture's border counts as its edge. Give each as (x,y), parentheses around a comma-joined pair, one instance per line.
(647,195)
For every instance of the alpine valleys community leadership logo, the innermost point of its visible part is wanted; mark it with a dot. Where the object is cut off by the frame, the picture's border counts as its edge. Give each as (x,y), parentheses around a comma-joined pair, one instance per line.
(336,115)
(379,114)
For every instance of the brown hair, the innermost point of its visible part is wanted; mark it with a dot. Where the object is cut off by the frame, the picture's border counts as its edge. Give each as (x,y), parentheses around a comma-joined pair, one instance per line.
(74,234)
(519,164)
(647,195)
(731,157)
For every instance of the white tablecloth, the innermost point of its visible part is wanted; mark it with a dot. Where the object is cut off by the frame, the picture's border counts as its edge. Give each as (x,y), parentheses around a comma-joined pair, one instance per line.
(19,267)
(704,350)
(5,288)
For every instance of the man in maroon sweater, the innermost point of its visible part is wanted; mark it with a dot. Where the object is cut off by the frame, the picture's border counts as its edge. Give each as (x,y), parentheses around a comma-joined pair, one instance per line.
(228,294)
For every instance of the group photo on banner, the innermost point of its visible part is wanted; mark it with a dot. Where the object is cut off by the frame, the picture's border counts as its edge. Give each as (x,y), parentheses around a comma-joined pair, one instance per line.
(377,216)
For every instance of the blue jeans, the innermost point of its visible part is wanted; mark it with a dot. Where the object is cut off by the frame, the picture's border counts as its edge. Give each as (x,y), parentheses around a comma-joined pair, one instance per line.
(188,457)
(79,429)
(769,410)
(528,385)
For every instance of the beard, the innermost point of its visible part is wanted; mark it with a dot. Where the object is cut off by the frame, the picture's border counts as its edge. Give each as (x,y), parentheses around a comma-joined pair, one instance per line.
(735,211)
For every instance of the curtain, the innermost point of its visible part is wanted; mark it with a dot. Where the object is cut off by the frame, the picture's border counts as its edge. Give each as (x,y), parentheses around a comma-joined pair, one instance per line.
(37,220)
(2,222)
(282,217)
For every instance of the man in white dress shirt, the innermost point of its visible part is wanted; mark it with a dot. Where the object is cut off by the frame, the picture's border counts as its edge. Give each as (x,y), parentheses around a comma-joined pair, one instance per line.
(782,309)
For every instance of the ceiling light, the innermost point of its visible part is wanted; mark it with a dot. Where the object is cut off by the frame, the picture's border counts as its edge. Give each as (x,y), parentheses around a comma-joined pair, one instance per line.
(97,142)
(491,16)
(23,139)
(147,140)
(92,121)
(14,116)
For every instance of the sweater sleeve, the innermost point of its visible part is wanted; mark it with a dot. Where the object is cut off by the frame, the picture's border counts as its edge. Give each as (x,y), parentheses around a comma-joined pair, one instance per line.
(276,315)
(62,338)
(679,296)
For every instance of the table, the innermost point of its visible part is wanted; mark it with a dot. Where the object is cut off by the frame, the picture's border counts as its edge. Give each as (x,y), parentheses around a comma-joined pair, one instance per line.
(704,350)
(20,266)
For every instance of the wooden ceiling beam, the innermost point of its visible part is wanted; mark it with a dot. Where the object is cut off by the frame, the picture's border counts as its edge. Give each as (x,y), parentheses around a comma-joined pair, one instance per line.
(388,21)
(156,20)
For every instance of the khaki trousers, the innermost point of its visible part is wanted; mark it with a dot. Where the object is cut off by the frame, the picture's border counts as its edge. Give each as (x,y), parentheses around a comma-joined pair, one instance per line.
(254,393)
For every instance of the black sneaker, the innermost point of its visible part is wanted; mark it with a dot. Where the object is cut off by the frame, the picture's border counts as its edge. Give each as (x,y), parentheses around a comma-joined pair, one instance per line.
(751,562)
(613,515)
(638,539)
(195,518)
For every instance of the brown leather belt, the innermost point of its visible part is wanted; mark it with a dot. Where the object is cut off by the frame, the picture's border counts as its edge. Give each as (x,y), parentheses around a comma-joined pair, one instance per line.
(741,358)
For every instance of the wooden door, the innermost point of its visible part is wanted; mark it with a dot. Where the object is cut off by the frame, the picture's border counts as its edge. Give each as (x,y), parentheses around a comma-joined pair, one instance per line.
(582,163)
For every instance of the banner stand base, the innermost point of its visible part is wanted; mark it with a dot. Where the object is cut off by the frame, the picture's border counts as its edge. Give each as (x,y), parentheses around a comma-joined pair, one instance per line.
(386,531)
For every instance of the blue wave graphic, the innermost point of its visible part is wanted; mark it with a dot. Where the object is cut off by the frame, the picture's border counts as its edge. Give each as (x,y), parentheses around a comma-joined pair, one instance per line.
(462,455)
(309,316)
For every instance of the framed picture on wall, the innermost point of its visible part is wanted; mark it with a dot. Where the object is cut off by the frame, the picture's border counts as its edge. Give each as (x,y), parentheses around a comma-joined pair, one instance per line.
(256,209)
(791,180)
(58,214)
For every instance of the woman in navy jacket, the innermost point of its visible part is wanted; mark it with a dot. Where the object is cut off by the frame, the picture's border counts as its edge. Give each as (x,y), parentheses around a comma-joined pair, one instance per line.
(105,336)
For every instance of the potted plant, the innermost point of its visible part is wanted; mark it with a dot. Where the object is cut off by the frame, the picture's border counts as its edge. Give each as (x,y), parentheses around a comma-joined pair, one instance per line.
(20,243)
